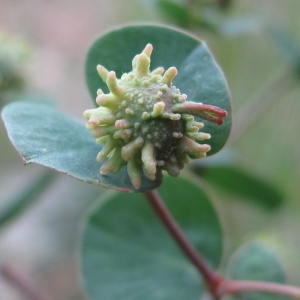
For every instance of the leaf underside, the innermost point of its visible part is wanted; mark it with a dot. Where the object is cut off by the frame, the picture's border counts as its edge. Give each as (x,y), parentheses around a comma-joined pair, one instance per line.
(44,135)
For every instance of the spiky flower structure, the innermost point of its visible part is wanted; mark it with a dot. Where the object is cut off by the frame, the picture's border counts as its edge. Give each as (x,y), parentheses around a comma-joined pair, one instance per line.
(146,123)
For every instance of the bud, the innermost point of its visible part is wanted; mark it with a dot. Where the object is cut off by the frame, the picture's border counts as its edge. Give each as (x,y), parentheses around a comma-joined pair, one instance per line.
(146,123)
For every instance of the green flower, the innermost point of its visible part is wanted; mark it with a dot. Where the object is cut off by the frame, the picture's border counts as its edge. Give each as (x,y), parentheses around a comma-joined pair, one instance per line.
(146,123)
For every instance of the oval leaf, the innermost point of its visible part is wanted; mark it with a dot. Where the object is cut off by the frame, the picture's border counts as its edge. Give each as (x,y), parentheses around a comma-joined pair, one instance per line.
(43,135)
(256,262)
(241,183)
(127,253)
(199,76)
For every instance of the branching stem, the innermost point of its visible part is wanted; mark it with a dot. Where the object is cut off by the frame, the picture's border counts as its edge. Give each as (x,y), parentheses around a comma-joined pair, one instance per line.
(212,278)
(217,285)
(236,287)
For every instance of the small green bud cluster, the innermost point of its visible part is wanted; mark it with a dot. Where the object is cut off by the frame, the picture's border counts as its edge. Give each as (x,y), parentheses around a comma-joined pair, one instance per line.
(146,123)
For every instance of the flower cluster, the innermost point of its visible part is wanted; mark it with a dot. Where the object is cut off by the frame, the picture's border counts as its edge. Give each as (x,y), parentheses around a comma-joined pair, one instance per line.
(146,123)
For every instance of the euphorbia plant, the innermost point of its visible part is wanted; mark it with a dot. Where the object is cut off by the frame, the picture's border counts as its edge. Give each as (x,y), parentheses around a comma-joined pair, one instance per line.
(147,122)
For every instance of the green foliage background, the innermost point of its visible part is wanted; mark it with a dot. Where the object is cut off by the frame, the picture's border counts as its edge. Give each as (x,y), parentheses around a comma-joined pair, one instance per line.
(256,70)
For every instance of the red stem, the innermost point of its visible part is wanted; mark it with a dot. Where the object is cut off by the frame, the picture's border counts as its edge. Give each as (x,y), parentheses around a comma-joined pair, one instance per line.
(207,112)
(235,287)
(212,278)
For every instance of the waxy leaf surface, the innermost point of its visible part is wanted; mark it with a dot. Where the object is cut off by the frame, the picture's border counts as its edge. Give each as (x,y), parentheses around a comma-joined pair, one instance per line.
(44,135)
(127,254)
(256,261)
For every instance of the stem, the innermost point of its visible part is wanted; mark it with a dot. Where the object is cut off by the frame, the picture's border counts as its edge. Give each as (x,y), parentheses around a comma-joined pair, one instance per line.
(207,112)
(212,278)
(217,285)
(21,283)
(235,287)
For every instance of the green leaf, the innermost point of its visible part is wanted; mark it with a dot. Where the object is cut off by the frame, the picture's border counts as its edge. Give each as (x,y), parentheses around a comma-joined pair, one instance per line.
(199,76)
(241,183)
(177,12)
(43,135)
(256,262)
(127,253)
(11,207)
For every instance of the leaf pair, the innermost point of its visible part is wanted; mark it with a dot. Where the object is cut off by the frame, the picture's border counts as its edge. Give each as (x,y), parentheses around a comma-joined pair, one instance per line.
(44,135)
(127,254)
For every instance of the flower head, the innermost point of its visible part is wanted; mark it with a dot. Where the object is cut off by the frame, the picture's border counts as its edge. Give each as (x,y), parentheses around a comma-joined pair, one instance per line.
(146,123)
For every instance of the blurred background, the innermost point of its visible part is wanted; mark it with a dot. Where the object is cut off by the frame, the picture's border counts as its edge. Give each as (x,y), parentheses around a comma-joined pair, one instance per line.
(43,45)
